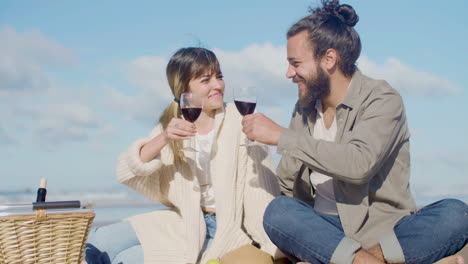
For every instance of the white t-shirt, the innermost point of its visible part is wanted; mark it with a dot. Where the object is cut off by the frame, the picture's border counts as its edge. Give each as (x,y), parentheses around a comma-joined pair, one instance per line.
(325,196)
(203,144)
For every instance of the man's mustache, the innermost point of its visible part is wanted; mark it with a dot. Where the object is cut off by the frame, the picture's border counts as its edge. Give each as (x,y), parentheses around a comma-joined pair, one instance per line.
(297,79)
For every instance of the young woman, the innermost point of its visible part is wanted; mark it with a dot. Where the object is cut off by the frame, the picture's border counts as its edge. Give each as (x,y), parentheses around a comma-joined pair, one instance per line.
(217,196)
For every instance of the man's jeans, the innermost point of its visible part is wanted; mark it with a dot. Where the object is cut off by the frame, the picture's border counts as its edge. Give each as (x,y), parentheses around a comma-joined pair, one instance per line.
(431,233)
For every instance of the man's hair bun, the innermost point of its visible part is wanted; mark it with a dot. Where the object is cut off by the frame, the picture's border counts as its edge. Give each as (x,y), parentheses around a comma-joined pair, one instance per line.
(346,14)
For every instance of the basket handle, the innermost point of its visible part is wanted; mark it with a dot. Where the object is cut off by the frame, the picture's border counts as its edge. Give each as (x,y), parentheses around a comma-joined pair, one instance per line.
(41,215)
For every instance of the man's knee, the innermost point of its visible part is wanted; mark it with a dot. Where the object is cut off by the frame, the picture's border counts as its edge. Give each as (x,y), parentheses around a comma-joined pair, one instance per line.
(278,211)
(276,208)
(454,214)
(454,209)
(455,205)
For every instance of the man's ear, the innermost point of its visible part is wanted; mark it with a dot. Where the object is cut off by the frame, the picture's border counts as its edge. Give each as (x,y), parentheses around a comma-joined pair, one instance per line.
(330,59)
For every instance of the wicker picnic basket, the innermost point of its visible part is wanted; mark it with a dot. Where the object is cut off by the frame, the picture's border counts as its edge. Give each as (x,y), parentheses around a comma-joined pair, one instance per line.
(44,236)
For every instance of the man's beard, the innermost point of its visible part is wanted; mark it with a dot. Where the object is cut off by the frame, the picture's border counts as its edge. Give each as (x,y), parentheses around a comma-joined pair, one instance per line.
(316,88)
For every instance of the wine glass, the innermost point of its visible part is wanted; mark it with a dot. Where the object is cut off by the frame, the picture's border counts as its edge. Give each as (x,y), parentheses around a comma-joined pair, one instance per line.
(245,100)
(191,107)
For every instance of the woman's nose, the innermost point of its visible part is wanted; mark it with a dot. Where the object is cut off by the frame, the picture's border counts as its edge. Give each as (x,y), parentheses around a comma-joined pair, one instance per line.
(217,83)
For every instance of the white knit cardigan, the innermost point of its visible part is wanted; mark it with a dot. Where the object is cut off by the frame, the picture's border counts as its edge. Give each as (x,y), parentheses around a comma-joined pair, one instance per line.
(243,181)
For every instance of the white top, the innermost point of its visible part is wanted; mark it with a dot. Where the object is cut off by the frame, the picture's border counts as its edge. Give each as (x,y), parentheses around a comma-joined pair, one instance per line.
(325,196)
(203,144)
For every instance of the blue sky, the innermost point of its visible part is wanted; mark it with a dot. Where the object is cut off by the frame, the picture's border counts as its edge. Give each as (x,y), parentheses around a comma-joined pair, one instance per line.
(79,81)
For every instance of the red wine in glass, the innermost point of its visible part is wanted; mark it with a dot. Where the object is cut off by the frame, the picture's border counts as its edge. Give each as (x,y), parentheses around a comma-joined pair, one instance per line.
(245,99)
(245,108)
(191,114)
(191,107)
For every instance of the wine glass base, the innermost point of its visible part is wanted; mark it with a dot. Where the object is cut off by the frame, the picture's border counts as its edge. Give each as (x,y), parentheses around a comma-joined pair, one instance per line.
(250,144)
(189,149)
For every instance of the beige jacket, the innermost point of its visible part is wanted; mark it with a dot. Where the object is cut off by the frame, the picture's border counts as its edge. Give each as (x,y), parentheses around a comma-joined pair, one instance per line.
(369,163)
(243,181)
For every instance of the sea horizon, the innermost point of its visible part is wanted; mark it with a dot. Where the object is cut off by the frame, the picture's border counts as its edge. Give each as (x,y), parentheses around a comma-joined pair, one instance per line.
(117,203)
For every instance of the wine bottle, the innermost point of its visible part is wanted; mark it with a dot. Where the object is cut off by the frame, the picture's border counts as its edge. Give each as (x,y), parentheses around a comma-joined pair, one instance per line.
(42,191)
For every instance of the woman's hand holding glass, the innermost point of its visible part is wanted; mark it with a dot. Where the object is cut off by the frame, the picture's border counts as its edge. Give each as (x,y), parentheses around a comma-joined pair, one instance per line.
(179,129)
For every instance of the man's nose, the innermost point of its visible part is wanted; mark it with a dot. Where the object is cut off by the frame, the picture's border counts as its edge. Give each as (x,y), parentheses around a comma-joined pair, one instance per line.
(290,73)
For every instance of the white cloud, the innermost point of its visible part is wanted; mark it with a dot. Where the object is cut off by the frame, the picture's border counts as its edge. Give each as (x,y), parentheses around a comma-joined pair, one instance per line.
(149,73)
(408,79)
(33,106)
(34,46)
(263,66)
(255,65)
(425,194)
(144,106)
(445,169)
(53,119)
(280,114)
(74,112)
(451,158)
(59,131)
(150,92)
(20,75)
(425,190)
(53,123)
(23,57)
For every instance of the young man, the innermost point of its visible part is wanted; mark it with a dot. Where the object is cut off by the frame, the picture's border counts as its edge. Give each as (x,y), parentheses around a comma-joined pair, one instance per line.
(346,159)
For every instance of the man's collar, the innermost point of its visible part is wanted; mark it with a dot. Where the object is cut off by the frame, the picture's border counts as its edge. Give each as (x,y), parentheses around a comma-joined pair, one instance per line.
(353,90)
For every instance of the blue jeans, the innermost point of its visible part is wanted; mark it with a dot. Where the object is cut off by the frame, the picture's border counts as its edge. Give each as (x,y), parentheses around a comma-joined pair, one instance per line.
(114,244)
(433,232)
(118,243)
(210,221)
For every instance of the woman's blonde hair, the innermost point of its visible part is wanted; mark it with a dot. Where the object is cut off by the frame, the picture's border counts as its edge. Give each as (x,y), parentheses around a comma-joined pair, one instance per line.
(185,65)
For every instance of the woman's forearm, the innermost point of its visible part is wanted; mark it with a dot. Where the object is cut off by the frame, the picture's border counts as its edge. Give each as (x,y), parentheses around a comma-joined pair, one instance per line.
(153,147)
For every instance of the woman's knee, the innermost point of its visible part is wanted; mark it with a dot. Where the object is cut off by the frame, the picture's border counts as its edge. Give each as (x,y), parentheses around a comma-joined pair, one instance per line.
(113,239)
(93,255)
(133,255)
